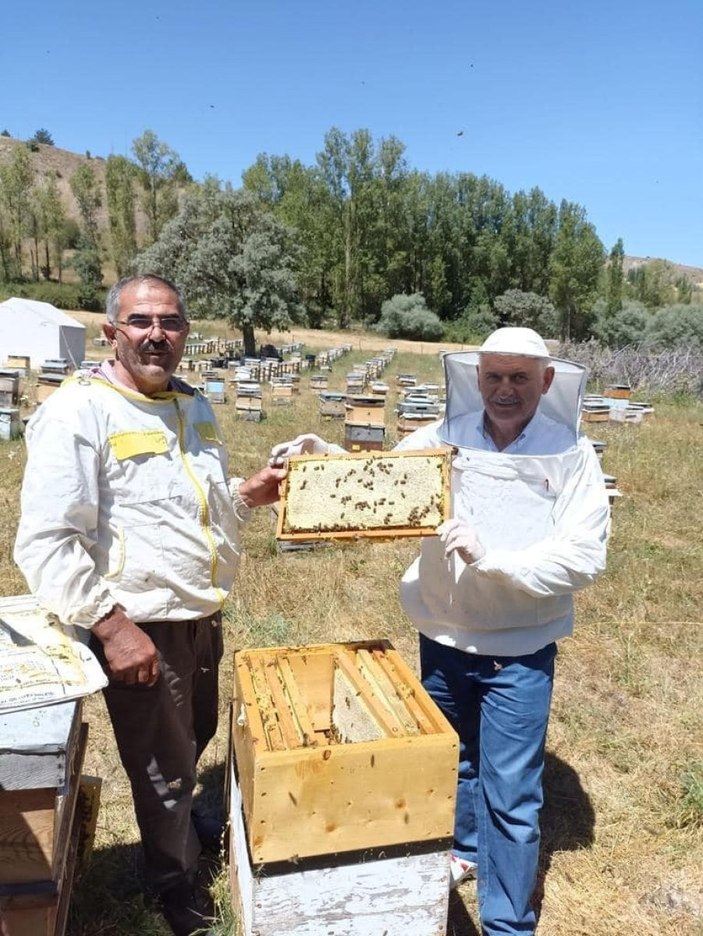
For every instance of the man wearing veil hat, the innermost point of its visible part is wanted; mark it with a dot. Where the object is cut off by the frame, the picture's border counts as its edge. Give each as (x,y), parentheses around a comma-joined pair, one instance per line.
(493,593)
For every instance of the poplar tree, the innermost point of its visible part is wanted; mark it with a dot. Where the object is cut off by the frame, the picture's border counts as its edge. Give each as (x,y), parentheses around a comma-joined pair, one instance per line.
(16,179)
(160,170)
(120,178)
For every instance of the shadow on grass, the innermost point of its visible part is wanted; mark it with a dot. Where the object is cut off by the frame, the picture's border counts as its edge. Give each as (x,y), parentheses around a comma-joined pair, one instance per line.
(567,823)
(459,923)
(567,819)
(108,895)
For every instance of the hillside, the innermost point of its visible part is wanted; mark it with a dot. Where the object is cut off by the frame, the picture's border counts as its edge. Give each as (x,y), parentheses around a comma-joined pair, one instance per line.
(48,159)
(64,163)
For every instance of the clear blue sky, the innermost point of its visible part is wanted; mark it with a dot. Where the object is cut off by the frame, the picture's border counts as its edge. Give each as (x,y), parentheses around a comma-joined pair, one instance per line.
(597,102)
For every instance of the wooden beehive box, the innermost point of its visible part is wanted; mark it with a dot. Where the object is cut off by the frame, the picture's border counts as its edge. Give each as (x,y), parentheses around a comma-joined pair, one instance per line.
(41,755)
(363,438)
(332,405)
(365,410)
(618,392)
(338,747)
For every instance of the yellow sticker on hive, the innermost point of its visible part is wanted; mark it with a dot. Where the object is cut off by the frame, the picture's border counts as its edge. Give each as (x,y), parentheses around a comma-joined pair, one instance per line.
(208,432)
(129,444)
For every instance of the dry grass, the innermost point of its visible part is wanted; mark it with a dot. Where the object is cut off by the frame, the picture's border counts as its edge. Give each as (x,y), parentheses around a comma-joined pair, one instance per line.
(623,820)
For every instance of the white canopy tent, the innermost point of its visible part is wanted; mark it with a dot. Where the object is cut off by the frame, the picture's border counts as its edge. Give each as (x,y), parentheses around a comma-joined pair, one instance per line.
(41,331)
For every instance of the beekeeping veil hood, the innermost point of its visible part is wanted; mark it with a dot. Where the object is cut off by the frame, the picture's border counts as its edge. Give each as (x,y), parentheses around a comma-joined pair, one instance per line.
(464,409)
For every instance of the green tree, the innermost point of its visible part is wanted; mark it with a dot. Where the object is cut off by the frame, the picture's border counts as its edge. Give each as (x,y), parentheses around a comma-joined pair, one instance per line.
(676,326)
(528,310)
(408,317)
(574,266)
(120,176)
(5,242)
(160,170)
(232,258)
(615,278)
(87,261)
(684,290)
(16,179)
(52,218)
(43,136)
(87,265)
(298,197)
(627,326)
(652,283)
(86,191)
(6,133)
(475,324)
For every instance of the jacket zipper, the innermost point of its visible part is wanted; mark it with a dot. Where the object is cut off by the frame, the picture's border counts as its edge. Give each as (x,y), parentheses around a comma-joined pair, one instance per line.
(204,509)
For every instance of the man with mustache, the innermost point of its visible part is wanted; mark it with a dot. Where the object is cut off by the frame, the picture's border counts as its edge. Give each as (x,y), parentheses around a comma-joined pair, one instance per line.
(492,593)
(130,528)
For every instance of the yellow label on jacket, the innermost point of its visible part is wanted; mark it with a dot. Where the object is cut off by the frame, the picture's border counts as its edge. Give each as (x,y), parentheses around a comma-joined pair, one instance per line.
(128,444)
(208,432)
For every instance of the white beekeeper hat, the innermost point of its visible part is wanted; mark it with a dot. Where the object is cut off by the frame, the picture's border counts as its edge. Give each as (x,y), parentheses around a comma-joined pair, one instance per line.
(511,340)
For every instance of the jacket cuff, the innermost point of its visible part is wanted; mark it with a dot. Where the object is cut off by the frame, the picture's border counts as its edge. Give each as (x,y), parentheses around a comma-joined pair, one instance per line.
(242,511)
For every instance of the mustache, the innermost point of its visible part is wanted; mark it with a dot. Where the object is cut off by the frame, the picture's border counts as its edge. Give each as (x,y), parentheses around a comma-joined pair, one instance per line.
(149,346)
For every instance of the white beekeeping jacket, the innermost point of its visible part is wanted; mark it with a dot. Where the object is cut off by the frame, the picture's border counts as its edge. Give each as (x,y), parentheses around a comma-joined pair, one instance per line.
(543,518)
(126,500)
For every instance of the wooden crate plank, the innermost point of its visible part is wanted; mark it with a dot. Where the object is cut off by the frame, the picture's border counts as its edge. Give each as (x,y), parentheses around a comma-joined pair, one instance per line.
(312,670)
(27,819)
(319,799)
(35,744)
(370,895)
(316,801)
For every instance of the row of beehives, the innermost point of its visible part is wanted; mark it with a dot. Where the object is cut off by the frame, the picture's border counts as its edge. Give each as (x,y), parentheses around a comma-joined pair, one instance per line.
(614,405)
(368,373)
(246,381)
(13,393)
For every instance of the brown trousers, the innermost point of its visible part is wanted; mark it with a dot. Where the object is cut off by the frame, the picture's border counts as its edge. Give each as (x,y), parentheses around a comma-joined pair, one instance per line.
(161,731)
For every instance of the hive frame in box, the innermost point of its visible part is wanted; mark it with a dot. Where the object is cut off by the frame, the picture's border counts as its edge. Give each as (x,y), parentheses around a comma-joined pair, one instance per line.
(318,463)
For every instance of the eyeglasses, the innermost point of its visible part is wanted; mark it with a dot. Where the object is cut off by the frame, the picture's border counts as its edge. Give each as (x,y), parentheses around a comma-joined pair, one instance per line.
(144,323)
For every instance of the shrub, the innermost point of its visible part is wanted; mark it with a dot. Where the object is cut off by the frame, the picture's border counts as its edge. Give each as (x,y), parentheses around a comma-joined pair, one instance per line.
(61,295)
(527,310)
(676,326)
(408,317)
(627,326)
(473,326)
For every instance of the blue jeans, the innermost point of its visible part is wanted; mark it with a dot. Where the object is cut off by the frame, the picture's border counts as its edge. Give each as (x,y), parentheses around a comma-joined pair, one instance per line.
(499,707)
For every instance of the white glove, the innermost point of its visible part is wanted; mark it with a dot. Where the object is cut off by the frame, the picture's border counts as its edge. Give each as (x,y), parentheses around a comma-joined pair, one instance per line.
(307,444)
(459,537)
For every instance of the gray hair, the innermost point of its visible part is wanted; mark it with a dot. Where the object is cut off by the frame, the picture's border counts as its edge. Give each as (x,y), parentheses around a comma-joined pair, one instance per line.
(112,303)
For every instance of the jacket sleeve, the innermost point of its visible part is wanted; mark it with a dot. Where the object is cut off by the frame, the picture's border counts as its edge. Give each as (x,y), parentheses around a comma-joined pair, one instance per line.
(59,514)
(575,554)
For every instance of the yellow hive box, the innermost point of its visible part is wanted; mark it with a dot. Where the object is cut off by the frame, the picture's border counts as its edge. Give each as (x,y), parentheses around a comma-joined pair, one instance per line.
(338,747)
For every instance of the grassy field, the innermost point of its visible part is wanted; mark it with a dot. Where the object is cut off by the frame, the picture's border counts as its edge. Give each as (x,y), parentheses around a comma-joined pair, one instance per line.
(623,820)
